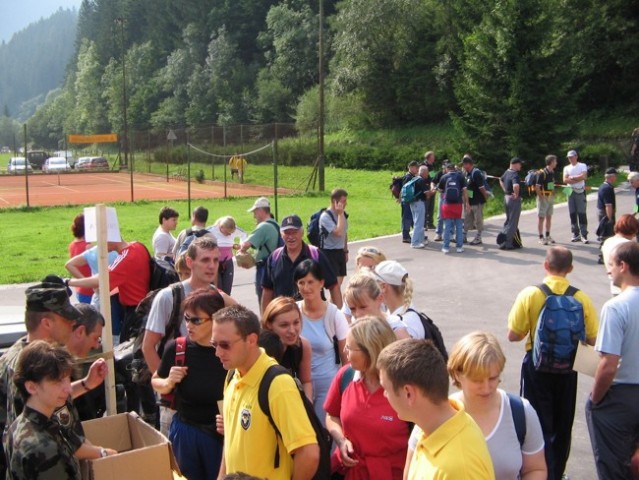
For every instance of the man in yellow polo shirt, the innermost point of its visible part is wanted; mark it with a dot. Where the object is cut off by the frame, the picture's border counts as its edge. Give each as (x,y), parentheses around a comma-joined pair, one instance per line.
(553,395)
(414,377)
(250,442)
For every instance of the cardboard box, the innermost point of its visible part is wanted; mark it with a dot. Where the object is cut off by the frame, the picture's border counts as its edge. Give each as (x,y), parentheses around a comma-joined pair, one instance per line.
(143,451)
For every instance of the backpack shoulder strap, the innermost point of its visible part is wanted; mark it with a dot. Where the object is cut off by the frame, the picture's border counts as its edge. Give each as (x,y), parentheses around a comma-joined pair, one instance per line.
(273,224)
(545,289)
(329,320)
(173,327)
(277,253)
(347,377)
(262,399)
(180,351)
(519,416)
(314,252)
(571,291)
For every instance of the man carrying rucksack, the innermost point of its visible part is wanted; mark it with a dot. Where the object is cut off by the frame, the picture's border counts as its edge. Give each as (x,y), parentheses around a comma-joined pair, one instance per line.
(547,381)
(510,184)
(414,193)
(407,216)
(454,197)
(251,444)
(477,197)
(264,239)
(545,189)
(333,223)
(199,217)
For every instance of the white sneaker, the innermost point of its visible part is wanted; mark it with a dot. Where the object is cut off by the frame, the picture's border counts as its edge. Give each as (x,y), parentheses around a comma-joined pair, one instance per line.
(445,250)
(550,240)
(459,250)
(421,245)
(585,240)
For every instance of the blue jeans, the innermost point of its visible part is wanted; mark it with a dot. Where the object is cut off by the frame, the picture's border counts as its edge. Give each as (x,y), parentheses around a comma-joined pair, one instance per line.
(198,453)
(418,210)
(439,230)
(407,221)
(458,225)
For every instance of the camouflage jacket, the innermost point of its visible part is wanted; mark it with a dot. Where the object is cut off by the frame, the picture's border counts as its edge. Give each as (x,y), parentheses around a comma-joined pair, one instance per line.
(36,448)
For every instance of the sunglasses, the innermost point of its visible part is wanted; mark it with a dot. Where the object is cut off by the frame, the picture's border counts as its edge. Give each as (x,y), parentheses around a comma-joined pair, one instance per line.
(225,345)
(196,320)
(372,250)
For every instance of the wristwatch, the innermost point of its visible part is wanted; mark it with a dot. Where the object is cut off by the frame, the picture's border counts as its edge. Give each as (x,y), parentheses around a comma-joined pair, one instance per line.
(103,452)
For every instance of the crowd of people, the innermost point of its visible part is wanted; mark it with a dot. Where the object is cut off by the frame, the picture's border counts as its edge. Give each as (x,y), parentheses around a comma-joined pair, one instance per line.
(355,348)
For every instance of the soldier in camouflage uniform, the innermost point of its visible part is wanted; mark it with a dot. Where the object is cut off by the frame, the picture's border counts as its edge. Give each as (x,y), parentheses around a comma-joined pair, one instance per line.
(35,445)
(51,317)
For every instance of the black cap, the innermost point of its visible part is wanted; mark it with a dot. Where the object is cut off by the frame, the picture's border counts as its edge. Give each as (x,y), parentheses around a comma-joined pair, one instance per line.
(468,159)
(291,222)
(413,164)
(516,160)
(611,171)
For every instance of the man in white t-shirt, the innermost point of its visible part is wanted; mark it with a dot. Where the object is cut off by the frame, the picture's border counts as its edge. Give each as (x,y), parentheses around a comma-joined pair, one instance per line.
(163,240)
(575,174)
(611,410)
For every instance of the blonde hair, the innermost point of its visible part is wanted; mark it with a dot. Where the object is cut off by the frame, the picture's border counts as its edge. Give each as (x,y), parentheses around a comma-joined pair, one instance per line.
(405,291)
(372,334)
(473,355)
(226,222)
(373,253)
(181,267)
(361,284)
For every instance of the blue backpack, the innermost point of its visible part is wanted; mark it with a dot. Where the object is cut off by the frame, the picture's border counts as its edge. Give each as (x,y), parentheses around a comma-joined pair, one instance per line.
(190,236)
(452,189)
(314,231)
(560,327)
(408,193)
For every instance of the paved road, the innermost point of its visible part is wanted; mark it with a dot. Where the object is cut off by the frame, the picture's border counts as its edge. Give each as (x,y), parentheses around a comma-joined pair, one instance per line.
(475,290)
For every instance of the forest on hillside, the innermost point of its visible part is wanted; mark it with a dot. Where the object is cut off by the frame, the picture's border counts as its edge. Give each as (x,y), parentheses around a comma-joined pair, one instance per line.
(514,75)
(35,61)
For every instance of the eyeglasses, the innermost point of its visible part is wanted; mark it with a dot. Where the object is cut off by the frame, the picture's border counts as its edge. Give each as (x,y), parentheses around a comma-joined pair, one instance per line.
(225,345)
(196,320)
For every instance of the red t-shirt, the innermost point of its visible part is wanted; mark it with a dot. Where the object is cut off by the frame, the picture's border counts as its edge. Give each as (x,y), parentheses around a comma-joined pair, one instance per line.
(130,272)
(378,436)
(77,247)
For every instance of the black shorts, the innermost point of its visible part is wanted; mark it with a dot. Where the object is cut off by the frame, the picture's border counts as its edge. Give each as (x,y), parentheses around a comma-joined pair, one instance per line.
(337,258)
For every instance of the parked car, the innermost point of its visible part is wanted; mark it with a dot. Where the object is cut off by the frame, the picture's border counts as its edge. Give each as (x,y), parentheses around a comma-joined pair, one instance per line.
(55,164)
(16,165)
(68,154)
(92,163)
(36,158)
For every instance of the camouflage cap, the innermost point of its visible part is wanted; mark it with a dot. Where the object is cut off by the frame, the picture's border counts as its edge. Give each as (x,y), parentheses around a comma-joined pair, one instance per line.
(51,297)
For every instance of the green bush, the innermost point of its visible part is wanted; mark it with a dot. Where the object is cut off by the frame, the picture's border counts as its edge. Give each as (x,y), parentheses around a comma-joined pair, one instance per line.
(595,154)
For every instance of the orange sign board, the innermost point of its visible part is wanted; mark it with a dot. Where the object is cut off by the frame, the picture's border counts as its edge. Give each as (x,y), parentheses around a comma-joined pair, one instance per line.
(104,138)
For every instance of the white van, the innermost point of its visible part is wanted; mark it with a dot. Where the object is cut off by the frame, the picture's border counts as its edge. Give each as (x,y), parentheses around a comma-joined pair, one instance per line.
(68,154)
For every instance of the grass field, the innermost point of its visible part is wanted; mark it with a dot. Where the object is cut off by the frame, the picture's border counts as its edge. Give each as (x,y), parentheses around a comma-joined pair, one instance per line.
(36,239)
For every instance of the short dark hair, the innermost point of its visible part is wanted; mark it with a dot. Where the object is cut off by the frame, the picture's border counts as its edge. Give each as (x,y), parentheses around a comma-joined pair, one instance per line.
(628,252)
(90,317)
(77,227)
(245,321)
(205,242)
(559,259)
(338,193)
(308,266)
(39,361)
(166,213)
(207,300)
(550,159)
(201,214)
(416,362)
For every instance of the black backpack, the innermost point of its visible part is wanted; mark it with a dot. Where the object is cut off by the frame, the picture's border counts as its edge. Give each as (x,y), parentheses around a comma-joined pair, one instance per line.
(396,186)
(189,237)
(163,273)
(324,439)
(453,189)
(432,332)
(314,232)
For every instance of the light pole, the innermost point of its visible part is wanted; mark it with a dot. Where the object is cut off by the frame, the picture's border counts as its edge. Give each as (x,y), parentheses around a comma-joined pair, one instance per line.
(120,21)
(320,164)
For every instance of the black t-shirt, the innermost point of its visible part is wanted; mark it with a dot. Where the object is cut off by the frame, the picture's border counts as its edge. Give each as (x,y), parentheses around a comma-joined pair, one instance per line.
(546,180)
(279,275)
(509,179)
(606,196)
(454,176)
(292,359)
(203,385)
(475,180)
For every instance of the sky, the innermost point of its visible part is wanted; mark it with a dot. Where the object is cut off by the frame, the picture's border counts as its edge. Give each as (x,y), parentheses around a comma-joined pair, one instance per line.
(18,14)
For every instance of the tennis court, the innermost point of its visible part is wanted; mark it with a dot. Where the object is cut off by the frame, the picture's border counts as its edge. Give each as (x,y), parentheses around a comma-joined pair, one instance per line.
(82,188)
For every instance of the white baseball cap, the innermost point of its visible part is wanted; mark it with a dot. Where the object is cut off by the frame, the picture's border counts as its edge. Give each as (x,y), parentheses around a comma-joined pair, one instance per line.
(391,272)
(261,202)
